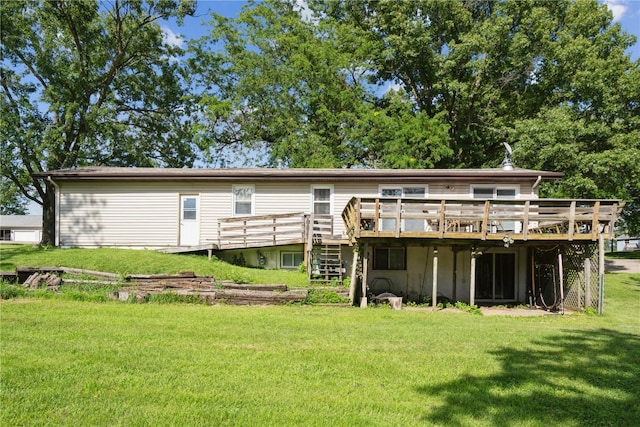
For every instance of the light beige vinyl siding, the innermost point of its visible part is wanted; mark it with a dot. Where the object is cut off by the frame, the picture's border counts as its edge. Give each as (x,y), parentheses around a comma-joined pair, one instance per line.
(146,214)
(282,197)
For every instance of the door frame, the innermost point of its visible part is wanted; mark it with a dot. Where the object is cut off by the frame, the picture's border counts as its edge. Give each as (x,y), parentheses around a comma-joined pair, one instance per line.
(493,298)
(195,222)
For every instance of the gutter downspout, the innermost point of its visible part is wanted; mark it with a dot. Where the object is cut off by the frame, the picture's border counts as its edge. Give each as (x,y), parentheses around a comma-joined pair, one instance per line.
(535,185)
(56,222)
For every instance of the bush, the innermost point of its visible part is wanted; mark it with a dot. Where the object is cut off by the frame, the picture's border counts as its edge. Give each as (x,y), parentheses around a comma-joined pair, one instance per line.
(171,298)
(8,291)
(323,296)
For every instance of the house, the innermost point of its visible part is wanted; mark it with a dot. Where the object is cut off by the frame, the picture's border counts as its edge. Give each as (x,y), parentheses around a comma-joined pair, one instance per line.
(21,228)
(625,242)
(476,235)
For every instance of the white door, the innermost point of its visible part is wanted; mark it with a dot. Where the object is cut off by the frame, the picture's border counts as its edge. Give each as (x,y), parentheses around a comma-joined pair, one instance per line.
(189,220)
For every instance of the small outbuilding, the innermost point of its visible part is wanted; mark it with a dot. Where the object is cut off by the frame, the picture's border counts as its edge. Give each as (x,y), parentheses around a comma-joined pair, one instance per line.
(21,228)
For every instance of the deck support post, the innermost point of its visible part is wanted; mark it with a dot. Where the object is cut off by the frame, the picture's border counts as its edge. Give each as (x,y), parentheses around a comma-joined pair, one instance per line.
(365,268)
(454,275)
(472,279)
(587,282)
(354,275)
(561,277)
(601,273)
(434,289)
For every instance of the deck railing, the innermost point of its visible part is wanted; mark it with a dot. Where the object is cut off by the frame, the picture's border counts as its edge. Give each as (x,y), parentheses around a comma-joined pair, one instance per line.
(272,230)
(537,219)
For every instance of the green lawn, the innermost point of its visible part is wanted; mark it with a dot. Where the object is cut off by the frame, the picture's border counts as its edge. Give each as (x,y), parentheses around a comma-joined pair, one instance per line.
(66,362)
(123,262)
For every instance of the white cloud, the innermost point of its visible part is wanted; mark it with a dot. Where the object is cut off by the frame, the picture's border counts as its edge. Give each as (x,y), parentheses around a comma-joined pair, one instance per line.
(617,7)
(171,38)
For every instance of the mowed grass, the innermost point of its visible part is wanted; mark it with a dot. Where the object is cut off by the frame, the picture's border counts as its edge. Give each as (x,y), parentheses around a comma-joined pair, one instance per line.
(123,262)
(70,363)
(66,362)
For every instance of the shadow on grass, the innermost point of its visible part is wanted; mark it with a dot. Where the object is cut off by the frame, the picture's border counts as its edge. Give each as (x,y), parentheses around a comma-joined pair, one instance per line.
(575,378)
(10,251)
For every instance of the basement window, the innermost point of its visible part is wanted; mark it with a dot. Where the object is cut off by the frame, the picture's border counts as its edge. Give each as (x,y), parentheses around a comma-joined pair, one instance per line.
(389,259)
(291,259)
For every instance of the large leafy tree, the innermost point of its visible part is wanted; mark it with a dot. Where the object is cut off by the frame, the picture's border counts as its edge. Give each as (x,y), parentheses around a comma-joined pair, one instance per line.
(89,83)
(13,201)
(551,78)
(296,93)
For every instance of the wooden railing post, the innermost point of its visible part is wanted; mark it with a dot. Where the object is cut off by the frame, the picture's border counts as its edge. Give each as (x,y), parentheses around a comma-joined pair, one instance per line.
(525,220)
(274,231)
(572,219)
(244,223)
(485,220)
(358,224)
(441,223)
(398,216)
(595,224)
(377,218)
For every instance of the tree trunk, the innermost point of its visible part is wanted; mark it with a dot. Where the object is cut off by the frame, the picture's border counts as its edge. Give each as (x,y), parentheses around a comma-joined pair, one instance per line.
(49,216)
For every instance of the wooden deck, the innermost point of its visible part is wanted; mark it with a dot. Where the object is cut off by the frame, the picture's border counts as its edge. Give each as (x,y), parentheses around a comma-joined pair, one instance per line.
(273,230)
(471,219)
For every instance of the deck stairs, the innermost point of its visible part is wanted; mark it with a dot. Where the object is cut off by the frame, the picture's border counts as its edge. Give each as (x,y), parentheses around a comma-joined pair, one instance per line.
(325,252)
(326,263)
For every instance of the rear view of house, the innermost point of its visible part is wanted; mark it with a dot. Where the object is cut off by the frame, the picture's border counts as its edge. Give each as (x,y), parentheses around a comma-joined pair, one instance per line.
(474,235)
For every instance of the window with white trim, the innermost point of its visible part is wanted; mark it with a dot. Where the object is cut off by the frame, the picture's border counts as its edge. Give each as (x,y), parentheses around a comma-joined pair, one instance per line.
(322,200)
(494,192)
(243,196)
(291,260)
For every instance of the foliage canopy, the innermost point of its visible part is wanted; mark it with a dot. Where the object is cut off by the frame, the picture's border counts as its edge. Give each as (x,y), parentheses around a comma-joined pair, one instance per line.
(89,83)
(425,84)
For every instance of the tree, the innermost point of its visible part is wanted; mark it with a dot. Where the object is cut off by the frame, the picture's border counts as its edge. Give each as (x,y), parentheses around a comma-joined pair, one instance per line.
(551,78)
(296,91)
(89,83)
(13,202)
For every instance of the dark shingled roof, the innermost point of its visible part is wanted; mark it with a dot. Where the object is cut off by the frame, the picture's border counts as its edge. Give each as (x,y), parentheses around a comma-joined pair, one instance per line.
(269,174)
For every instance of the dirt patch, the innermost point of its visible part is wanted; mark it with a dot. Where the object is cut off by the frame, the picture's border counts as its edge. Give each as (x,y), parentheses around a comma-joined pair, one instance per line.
(517,312)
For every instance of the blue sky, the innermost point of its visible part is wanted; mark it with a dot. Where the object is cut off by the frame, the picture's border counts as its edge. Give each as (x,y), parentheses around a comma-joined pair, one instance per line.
(625,12)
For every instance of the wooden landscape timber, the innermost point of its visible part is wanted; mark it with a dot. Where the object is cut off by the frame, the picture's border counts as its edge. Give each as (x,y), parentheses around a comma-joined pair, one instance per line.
(50,281)
(208,290)
(141,286)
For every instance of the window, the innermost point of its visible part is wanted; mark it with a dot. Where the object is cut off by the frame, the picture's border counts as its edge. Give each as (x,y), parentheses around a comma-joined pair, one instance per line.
(503,193)
(408,192)
(389,259)
(243,200)
(189,208)
(291,259)
(494,192)
(322,201)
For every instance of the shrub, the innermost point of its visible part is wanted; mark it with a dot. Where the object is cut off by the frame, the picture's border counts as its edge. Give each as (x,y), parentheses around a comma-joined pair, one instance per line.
(8,291)
(324,296)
